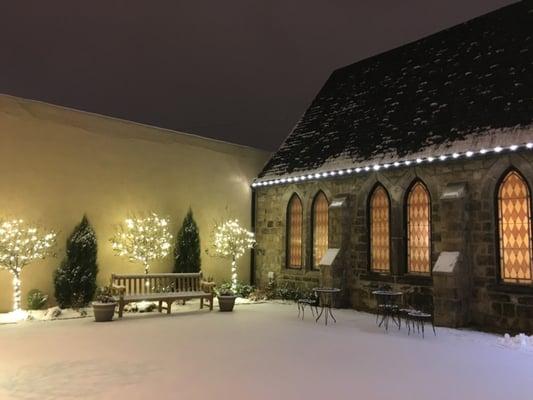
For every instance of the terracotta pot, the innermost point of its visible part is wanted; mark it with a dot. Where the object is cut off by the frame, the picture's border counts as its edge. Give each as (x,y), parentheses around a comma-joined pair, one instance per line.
(226,303)
(104,312)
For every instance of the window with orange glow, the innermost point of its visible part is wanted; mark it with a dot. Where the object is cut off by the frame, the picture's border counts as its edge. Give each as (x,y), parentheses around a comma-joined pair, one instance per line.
(320,227)
(379,230)
(294,232)
(514,220)
(418,230)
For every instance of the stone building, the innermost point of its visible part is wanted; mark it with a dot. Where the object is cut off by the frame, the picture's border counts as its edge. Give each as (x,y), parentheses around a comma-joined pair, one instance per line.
(413,169)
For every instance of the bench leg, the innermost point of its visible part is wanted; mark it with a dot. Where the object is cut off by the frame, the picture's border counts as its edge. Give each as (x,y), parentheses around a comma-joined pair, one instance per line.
(201,303)
(120,308)
(211,303)
(169,306)
(160,307)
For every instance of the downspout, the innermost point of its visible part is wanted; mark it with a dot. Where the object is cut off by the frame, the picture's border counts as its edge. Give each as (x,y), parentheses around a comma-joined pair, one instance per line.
(252,255)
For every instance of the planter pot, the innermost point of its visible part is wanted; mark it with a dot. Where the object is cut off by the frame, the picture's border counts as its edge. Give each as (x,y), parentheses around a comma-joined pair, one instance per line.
(226,303)
(104,312)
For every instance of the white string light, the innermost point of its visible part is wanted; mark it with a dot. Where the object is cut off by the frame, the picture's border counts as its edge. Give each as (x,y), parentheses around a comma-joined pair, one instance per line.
(21,244)
(377,167)
(142,239)
(231,240)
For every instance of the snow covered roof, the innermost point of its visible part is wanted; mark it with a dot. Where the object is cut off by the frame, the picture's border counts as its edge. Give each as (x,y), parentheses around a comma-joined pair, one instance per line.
(462,91)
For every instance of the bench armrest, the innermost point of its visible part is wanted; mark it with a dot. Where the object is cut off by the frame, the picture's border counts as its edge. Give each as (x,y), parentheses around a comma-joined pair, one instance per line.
(119,289)
(207,286)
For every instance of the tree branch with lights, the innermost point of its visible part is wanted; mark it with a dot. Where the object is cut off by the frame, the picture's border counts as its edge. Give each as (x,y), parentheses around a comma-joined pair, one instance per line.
(142,239)
(231,241)
(20,244)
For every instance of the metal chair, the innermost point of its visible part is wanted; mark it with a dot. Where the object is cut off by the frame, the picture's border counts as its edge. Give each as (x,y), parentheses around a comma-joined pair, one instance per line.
(419,320)
(313,304)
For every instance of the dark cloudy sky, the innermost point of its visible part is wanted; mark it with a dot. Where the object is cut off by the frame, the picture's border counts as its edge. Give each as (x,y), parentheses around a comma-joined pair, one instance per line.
(242,71)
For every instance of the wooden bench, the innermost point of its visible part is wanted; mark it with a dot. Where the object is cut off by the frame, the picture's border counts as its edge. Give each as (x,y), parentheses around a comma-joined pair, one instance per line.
(163,288)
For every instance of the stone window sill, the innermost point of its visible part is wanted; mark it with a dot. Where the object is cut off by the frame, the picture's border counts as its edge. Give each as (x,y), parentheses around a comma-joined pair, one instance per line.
(512,288)
(376,277)
(419,280)
(300,271)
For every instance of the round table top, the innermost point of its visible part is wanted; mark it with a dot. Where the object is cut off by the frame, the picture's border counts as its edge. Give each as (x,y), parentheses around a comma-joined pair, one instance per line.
(419,314)
(326,289)
(386,293)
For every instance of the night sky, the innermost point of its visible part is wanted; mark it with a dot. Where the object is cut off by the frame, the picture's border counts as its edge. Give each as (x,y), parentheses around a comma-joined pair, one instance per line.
(241,71)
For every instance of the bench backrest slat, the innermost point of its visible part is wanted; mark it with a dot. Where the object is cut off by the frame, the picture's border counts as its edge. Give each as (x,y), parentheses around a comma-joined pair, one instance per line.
(158,282)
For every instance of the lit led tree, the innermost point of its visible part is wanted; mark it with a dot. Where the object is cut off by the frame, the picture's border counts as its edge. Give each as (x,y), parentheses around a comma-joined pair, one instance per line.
(142,239)
(20,244)
(231,241)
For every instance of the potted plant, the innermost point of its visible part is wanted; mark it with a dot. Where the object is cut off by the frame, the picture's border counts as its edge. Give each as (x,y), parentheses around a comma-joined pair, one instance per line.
(104,305)
(226,297)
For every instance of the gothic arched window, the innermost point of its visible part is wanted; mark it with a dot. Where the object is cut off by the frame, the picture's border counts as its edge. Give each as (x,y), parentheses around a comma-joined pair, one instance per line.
(514,227)
(418,230)
(379,230)
(294,232)
(320,215)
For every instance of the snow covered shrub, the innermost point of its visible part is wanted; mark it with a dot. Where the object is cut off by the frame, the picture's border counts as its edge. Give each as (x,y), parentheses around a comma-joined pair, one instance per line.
(36,299)
(75,279)
(104,294)
(187,252)
(291,291)
(243,290)
(224,289)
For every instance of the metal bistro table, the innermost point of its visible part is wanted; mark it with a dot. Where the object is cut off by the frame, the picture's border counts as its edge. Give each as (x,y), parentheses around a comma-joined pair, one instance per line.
(325,294)
(388,307)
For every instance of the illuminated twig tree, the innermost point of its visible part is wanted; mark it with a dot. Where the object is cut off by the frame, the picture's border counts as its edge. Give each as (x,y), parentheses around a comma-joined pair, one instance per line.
(142,239)
(20,244)
(231,240)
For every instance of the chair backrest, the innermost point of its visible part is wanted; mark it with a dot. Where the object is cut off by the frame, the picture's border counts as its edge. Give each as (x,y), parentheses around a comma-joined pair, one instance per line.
(158,283)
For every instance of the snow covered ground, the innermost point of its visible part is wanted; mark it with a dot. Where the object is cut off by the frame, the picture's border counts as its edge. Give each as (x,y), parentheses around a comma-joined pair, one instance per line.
(261,351)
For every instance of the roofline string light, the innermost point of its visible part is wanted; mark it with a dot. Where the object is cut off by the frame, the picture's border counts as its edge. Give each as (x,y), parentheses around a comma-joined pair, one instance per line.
(377,167)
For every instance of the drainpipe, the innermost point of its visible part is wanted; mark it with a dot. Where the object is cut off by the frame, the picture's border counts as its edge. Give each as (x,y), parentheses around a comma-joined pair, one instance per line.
(252,255)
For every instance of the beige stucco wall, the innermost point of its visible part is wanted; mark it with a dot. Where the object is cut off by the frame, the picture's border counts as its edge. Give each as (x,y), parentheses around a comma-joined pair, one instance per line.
(57,164)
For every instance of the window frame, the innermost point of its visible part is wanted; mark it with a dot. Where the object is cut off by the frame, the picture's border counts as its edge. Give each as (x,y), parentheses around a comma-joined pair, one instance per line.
(406,228)
(377,186)
(497,246)
(288,233)
(313,204)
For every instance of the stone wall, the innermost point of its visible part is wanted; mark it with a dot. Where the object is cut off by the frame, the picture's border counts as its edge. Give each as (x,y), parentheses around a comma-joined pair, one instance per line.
(468,225)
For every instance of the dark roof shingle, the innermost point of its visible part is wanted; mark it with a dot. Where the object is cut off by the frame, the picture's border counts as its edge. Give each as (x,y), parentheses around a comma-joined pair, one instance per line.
(456,86)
